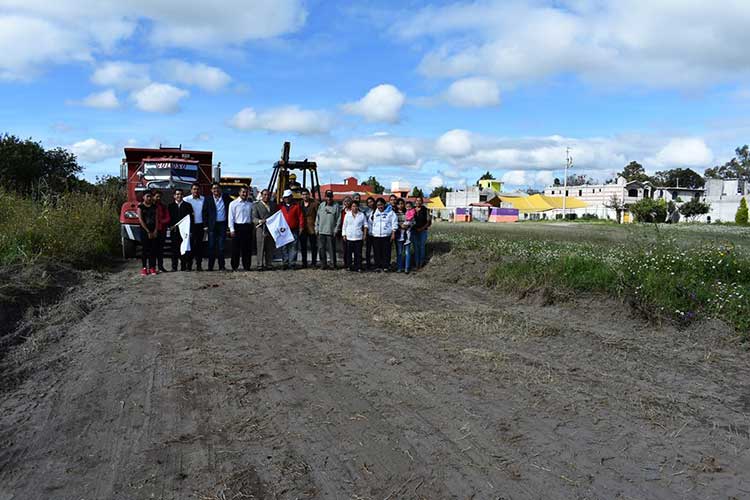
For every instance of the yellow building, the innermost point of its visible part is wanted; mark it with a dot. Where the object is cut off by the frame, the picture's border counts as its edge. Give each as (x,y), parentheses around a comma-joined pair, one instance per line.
(494,185)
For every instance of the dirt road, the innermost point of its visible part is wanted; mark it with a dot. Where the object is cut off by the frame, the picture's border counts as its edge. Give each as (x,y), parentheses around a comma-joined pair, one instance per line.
(314,384)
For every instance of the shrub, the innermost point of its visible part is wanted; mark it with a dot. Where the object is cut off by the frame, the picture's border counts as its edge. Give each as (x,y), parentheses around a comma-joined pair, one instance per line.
(694,208)
(649,210)
(79,229)
(741,215)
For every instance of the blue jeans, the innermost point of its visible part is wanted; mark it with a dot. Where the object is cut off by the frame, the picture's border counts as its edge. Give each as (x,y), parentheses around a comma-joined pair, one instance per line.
(420,241)
(289,251)
(216,238)
(403,255)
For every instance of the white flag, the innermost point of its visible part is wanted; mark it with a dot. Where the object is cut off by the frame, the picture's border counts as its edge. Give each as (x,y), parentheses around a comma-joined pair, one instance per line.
(184,228)
(279,229)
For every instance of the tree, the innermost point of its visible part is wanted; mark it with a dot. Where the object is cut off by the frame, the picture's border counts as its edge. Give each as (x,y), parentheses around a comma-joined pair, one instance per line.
(557,182)
(694,208)
(485,177)
(25,163)
(440,191)
(736,168)
(741,215)
(634,171)
(579,180)
(375,186)
(649,210)
(682,177)
(416,192)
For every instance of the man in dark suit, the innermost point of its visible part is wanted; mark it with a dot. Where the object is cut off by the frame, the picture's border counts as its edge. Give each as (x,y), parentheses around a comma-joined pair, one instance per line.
(178,210)
(215,218)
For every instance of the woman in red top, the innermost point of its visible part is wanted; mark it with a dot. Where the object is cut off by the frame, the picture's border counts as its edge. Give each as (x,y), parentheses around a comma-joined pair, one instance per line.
(162,222)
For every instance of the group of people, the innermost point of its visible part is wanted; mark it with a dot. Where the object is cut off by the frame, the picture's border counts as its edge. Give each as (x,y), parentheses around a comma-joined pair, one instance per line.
(365,233)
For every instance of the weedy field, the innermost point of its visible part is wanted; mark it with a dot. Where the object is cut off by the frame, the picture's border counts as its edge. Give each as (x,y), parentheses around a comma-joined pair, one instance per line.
(682,273)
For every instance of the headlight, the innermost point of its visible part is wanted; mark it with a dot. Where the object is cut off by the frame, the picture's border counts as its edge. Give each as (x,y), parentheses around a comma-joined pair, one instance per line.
(130,214)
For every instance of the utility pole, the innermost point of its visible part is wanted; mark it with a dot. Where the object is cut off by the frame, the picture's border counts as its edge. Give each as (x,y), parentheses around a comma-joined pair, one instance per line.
(568,164)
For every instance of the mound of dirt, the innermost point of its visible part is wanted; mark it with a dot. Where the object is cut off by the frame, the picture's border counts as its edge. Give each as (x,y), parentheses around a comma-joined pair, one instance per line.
(23,288)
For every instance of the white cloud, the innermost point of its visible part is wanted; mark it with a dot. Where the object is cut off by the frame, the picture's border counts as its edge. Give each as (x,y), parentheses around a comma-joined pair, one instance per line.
(27,43)
(122,75)
(375,151)
(43,32)
(655,44)
(454,143)
(524,178)
(92,150)
(435,181)
(688,152)
(473,93)
(284,119)
(106,99)
(197,74)
(159,98)
(381,104)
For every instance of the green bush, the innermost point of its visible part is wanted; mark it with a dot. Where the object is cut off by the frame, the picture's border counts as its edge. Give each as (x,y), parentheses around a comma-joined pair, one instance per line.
(649,210)
(79,229)
(741,215)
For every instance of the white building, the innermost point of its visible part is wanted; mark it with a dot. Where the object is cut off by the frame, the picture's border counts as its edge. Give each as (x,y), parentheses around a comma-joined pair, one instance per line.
(600,197)
(724,198)
(463,199)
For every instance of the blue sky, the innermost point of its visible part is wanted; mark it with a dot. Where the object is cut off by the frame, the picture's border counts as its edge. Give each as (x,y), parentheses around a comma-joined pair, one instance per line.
(430,93)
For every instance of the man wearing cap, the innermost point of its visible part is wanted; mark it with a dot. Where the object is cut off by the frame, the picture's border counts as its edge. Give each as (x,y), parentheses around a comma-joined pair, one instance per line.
(261,211)
(295,220)
(307,233)
(327,225)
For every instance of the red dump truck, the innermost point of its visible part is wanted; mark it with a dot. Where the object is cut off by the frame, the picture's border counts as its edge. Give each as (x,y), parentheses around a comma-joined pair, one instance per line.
(165,169)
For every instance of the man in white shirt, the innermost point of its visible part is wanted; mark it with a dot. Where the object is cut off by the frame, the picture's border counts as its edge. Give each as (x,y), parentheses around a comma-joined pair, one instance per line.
(241,229)
(354,231)
(196,228)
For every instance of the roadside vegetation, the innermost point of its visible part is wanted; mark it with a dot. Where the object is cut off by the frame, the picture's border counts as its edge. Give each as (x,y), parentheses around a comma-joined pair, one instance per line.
(46,212)
(657,273)
(80,229)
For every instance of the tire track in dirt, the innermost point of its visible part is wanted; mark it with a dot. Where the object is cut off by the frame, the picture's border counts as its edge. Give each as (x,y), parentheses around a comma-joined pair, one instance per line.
(299,385)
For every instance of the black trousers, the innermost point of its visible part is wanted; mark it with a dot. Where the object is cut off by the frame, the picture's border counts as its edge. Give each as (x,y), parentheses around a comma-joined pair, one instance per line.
(354,252)
(161,237)
(388,254)
(380,246)
(176,256)
(242,246)
(196,246)
(149,251)
(368,251)
(345,252)
(311,241)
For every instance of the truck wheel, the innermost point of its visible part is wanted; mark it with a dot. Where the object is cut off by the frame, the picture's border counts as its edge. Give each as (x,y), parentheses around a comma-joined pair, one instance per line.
(128,248)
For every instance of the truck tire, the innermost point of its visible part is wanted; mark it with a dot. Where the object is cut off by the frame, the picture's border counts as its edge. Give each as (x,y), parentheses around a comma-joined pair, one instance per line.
(128,248)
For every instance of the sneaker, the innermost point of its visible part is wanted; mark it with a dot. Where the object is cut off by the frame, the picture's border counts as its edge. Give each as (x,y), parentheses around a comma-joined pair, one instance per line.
(144,272)
(153,271)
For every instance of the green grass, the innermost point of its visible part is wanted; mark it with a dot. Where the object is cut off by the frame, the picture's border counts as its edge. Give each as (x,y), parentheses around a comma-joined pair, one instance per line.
(682,273)
(77,229)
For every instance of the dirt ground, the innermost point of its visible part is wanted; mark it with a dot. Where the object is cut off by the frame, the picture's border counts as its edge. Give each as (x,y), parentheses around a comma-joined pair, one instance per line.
(324,384)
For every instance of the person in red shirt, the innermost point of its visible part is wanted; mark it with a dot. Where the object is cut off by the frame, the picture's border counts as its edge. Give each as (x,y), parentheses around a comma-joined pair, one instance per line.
(162,223)
(295,219)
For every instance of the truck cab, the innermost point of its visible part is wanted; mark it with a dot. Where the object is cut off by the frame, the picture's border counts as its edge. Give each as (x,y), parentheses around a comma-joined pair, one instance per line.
(165,169)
